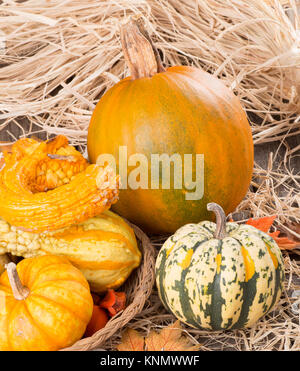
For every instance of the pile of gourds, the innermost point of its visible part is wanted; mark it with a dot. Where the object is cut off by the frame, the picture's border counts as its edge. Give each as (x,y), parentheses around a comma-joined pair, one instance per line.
(54,211)
(209,276)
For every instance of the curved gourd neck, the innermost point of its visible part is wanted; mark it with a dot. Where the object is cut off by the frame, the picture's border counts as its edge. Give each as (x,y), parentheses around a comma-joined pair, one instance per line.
(220,232)
(140,53)
(19,291)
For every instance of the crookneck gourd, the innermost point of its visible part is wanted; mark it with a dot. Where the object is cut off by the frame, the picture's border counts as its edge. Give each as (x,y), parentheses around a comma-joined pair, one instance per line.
(49,185)
(219,276)
(171,115)
(104,248)
(46,305)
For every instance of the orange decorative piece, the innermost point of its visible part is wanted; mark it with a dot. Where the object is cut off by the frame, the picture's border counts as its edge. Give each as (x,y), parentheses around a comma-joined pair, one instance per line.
(98,321)
(75,189)
(264,224)
(114,302)
(46,305)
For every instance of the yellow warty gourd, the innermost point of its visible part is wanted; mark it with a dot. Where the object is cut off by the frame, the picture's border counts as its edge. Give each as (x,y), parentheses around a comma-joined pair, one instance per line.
(49,185)
(104,248)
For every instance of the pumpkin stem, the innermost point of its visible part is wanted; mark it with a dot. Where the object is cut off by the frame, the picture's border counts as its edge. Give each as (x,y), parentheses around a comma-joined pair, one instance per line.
(20,292)
(220,220)
(140,53)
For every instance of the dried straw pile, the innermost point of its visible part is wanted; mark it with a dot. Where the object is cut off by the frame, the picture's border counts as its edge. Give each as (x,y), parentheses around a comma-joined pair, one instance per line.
(58,57)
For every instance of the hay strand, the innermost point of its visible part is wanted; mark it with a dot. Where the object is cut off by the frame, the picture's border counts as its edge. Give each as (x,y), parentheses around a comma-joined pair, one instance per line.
(58,58)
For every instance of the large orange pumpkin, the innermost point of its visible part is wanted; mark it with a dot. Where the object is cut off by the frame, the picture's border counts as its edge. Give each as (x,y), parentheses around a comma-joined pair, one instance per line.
(181,110)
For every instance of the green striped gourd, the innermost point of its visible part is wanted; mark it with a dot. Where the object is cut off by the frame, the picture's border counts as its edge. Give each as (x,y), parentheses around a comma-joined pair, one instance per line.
(219,276)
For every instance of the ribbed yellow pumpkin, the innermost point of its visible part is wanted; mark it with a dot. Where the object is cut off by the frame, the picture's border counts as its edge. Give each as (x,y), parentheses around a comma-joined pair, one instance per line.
(104,248)
(46,305)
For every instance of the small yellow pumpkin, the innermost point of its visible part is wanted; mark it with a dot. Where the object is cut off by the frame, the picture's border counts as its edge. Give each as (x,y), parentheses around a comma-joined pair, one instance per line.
(45,304)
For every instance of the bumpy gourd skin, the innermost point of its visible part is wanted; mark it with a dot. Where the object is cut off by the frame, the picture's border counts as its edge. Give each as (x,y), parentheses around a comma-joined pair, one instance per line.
(76,190)
(58,167)
(104,248)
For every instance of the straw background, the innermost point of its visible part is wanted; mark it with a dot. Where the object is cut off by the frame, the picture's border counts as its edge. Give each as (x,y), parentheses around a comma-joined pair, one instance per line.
(58,58)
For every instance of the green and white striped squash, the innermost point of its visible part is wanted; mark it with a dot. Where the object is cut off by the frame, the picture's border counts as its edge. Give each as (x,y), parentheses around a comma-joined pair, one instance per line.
(219,276)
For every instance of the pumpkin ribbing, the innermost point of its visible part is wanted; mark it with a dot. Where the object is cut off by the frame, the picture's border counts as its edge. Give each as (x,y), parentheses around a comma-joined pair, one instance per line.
(229,282)
(46,305)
